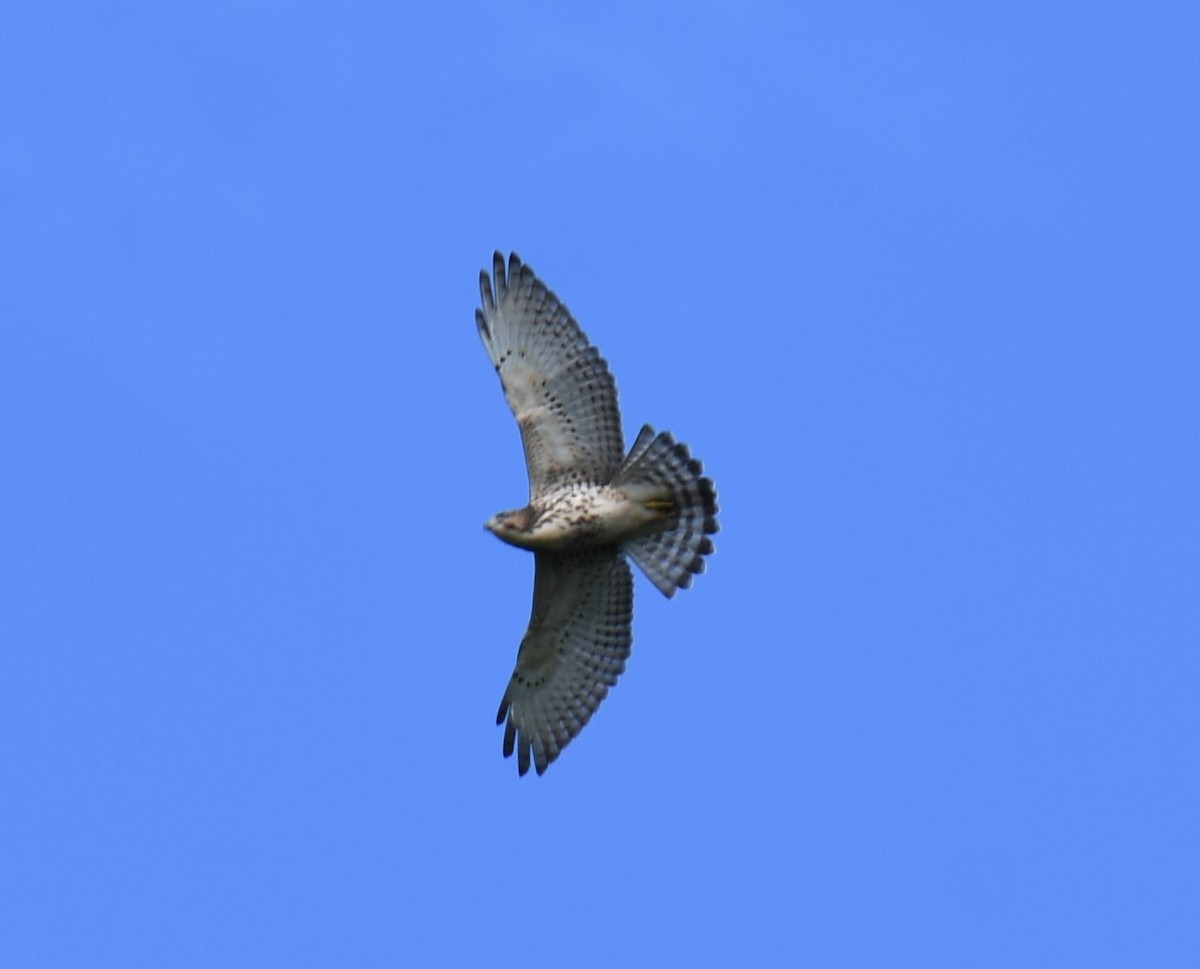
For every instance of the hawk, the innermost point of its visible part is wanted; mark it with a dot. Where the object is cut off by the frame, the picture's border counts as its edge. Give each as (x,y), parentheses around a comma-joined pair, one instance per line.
(590,506)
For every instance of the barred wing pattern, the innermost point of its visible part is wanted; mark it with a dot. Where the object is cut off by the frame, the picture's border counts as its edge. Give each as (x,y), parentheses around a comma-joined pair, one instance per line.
(557,384)
(578,641)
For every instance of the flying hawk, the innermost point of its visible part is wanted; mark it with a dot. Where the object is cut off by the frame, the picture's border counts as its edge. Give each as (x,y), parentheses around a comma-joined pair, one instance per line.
(590,505)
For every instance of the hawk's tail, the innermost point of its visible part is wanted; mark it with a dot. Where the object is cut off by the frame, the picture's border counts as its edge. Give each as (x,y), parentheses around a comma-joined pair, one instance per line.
(670,557)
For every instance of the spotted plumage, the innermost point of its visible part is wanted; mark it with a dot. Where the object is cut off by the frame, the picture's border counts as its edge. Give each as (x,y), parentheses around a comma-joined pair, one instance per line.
(590,506)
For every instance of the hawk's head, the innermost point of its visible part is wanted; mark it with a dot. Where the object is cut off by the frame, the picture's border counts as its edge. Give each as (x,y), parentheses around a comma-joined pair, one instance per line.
(510,526)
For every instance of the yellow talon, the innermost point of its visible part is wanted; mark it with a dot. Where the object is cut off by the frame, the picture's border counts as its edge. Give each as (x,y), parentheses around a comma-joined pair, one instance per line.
(660,504)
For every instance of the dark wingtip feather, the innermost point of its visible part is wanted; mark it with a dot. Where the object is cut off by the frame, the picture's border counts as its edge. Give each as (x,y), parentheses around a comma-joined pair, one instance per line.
(523,757)
(486,295)
(498,272)
(481,323)
(516,268)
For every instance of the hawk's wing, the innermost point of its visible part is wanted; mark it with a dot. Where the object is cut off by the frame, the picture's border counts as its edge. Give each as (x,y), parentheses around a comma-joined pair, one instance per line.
(575,648)
(556,383)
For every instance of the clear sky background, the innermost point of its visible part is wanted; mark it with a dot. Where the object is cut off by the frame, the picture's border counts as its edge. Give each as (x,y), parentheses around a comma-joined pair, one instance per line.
(919,283)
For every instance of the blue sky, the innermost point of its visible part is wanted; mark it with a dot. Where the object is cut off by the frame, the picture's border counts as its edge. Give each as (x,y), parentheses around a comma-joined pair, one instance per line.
(919,285)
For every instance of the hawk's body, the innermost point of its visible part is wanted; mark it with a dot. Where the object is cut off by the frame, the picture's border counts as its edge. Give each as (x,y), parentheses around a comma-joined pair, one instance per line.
(582,514)
(589,506)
